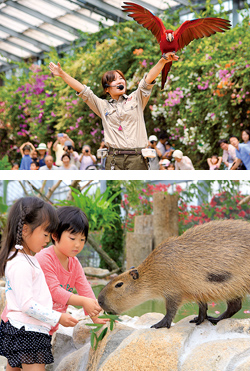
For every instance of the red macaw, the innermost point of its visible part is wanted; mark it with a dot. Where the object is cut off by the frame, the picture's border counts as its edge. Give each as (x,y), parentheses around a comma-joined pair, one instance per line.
(172,41)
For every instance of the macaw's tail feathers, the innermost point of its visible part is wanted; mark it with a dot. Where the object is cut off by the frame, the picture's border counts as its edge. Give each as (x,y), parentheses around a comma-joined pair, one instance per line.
(164,74)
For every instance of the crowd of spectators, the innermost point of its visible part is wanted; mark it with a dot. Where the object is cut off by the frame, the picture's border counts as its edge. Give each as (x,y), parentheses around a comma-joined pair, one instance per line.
(234,156)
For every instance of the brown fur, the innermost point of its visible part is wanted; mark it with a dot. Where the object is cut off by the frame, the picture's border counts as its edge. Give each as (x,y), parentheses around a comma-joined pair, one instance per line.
(186,268)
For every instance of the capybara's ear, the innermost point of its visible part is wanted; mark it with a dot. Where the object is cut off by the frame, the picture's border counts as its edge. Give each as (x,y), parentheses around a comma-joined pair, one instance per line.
(134,273)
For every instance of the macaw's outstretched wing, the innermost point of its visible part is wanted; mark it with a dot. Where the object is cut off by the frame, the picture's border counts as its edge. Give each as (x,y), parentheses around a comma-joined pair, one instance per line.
(145,18)
(164,74)
(198,28)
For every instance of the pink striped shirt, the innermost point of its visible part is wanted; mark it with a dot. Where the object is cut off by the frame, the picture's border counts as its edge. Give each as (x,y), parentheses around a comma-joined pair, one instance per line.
(62,282)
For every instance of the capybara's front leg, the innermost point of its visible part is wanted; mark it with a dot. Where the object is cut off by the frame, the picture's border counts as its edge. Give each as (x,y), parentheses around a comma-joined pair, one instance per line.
(171,306)
(233,306)
(202,314)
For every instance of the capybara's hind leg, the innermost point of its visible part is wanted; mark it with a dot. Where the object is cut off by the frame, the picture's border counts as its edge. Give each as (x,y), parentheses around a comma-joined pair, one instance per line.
(202,314)
(233,306)
(171,306)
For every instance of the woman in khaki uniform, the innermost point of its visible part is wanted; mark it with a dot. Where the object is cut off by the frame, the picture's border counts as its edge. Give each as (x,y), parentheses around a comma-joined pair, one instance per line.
(122,116)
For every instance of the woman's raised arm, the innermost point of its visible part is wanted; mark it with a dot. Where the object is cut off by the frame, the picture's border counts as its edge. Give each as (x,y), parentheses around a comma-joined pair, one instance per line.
(57,70)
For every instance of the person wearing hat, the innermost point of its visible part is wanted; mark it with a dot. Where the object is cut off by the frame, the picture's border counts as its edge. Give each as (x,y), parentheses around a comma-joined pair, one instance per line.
(122,115)
(182,162)
(154,162)
(42,150)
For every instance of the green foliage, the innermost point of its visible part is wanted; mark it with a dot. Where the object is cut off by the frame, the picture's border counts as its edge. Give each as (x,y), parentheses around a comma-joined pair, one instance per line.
(98,207)
(112,238)
(94,338)
(206,97)
(4,163)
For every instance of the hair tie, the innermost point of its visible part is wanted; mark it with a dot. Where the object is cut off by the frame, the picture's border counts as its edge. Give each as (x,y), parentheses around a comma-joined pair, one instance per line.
(19,247)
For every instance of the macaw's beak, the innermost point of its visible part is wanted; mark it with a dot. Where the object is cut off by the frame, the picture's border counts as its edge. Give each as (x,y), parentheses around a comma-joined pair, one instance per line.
(170,37)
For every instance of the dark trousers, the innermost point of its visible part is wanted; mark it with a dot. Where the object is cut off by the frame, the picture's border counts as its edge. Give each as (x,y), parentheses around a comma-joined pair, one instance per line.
(126,162)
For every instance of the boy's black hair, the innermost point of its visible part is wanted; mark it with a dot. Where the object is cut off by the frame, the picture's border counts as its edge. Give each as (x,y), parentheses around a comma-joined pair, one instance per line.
(71,219)
(222,141)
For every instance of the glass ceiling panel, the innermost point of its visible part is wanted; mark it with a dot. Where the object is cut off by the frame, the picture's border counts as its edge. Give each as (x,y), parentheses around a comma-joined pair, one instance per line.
(3,35)
(14,50)
(97,17)
(9,23)
(25,44)
(45,39)
(78,23)
(49,10)
(58,31)
(67,4)
(24,16)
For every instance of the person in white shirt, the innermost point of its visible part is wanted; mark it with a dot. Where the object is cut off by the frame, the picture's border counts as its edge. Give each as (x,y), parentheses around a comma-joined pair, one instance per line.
(182,162)
(28,315)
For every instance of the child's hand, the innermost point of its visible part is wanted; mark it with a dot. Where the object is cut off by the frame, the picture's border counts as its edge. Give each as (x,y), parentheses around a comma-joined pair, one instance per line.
(67,320)
(100,320)
(91,306)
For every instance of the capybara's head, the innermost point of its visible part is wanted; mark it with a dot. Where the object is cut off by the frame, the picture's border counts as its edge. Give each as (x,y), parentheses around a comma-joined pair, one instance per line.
(123,292)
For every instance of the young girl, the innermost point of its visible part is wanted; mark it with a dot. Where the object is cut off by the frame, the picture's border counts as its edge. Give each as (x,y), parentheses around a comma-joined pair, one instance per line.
(214,162)
(28,316)
(63,271)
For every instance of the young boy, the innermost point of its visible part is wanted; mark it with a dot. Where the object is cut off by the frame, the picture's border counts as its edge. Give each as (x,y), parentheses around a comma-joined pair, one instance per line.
(63,270)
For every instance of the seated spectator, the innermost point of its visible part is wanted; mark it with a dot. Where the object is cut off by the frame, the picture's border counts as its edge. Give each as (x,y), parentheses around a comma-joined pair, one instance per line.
(15,166)
(154,162)
(162,140)
(245,135)
(169,151)
(182,162)
(25,150)
(229,154)
(171,166)
(66,163)
(74,157)
(86,159)
(164,164)
(242,154)
(34,165)
(48,164)
(214,162)
(58,146)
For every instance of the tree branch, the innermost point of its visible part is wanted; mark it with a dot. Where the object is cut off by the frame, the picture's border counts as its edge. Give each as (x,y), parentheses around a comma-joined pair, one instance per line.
(24,189)
(53,188)
(103,275)
(245,200)
(111,263)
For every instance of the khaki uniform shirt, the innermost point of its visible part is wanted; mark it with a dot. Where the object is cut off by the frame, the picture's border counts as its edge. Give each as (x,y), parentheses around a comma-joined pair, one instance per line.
(122,119)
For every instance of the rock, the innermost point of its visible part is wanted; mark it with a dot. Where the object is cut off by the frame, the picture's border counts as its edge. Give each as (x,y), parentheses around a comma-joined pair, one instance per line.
(76,361)
(95,271)
(81,333)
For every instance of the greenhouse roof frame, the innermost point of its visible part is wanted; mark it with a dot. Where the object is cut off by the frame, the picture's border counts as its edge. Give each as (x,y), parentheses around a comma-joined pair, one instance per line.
(30,28)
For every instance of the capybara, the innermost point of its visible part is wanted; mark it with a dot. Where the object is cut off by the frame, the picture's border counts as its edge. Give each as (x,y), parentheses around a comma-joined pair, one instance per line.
(209,262)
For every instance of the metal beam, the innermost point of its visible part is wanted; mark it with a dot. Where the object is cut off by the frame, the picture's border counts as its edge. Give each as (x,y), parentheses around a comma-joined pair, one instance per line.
(28,39)
(10,56)
(7,41)
(103,9)
(43,17)
(34,27)
(73,12)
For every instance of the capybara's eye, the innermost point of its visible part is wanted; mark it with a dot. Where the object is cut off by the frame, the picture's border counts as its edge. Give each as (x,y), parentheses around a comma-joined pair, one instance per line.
(119,284)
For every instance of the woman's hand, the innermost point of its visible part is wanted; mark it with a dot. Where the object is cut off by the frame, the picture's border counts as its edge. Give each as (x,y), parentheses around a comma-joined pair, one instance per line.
(56,69)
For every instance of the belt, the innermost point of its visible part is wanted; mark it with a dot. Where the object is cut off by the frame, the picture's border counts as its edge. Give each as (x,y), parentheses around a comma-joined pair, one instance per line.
(117,151)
